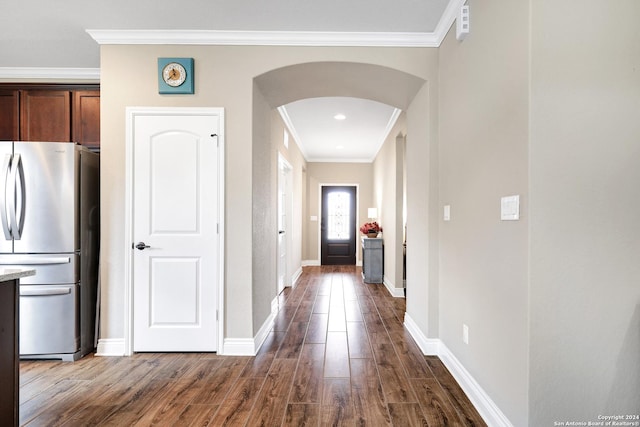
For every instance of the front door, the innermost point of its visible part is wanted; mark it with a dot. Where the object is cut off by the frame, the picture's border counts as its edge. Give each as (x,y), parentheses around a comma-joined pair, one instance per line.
(175,239)
(338,225)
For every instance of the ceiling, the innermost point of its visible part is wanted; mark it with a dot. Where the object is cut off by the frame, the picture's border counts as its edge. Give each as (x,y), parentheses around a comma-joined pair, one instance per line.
(356,136)
(39,34)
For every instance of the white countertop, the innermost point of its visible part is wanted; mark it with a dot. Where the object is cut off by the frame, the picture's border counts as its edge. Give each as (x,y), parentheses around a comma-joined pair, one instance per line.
(7,274)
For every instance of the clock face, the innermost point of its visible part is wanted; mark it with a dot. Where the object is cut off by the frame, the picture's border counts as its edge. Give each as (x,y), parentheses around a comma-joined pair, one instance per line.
(174,74)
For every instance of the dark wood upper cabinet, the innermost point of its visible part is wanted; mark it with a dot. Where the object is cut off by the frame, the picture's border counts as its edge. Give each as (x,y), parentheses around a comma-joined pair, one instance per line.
(9,115)
(45,115)
(50,112)
(86,118)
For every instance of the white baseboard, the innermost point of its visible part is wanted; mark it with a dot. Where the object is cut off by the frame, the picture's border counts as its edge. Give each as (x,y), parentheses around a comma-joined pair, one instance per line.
(110,347)
(296,276)
(486,407)
(250,346)
(239,347)
(310,262)
(428,346)
(395,292)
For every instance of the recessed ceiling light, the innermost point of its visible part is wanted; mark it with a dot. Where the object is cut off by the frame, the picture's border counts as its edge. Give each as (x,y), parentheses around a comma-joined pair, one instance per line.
(340,147)
(339,117)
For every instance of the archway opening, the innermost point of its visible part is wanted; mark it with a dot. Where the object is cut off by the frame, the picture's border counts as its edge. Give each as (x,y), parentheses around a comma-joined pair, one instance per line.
(292,83)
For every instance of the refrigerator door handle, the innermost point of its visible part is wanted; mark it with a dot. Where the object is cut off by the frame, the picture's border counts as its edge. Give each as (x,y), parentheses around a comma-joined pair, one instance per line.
(17,171)
(3,196)
(14,260)
(43,291)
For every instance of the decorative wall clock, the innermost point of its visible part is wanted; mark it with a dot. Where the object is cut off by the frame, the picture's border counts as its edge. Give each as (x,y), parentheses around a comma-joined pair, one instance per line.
(175,76)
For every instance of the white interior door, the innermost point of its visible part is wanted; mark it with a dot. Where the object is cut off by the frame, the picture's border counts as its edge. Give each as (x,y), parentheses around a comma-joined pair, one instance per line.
(175,220)
(283,228)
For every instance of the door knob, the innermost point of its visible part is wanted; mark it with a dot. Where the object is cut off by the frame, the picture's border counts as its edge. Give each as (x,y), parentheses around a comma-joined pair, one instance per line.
(141,246)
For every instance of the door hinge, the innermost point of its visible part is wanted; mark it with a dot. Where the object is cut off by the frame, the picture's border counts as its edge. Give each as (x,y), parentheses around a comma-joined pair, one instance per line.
(216,315)
(218,228)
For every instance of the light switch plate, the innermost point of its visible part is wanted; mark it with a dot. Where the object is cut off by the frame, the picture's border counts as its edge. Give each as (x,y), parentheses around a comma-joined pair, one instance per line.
(313,218)
(447,213)
(510,208)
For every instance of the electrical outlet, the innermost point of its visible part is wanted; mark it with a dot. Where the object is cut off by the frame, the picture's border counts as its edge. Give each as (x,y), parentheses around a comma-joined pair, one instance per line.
(465,334)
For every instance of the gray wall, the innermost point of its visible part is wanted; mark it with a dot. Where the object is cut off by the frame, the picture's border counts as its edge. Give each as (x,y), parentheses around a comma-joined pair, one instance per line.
(422,206)
(298,164)
(225,79)
(483,127)
(264,212)
(543,100)
(585,208)
(360,174)
(388,192)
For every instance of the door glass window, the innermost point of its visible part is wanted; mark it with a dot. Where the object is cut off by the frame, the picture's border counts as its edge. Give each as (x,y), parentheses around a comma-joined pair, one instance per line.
(339,210)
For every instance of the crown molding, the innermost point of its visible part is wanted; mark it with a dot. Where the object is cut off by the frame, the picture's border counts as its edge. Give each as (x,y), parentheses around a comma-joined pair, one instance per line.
(29,73)
(265,38)
(242,38)
(387,130)
(284,114)
(447,19)
(284,38)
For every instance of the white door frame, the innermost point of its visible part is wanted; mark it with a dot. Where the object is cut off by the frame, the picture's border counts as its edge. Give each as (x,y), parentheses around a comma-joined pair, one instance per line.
(131,113)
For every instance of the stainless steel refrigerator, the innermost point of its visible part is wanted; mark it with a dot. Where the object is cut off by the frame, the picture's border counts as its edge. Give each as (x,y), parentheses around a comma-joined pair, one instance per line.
(50,216)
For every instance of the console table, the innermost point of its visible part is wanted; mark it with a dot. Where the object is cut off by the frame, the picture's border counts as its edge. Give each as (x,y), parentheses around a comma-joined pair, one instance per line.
(372,260)
(9,339)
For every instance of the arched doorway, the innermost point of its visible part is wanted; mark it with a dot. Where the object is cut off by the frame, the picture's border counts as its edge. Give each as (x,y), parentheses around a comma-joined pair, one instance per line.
(321,79)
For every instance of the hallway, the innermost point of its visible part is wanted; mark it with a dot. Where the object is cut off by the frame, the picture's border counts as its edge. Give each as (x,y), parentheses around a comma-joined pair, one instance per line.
(337,355)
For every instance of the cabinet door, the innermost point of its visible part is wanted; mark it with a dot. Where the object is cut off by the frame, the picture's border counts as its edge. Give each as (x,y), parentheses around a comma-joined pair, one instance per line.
(9,115)
(45,115)
(86,118)
(9,361)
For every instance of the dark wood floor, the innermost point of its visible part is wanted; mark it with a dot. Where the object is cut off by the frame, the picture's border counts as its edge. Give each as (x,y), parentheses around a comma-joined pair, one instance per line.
(337,355)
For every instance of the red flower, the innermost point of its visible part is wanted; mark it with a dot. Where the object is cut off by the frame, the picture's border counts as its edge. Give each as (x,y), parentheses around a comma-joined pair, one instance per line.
(370,227)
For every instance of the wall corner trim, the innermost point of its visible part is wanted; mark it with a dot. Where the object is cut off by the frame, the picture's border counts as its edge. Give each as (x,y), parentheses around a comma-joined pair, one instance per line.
(428,346)
(249,346)
(391,288)
(111,347)
(239,347)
